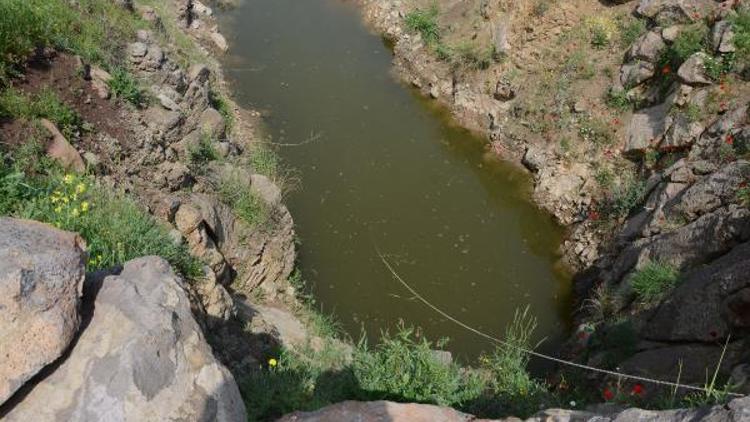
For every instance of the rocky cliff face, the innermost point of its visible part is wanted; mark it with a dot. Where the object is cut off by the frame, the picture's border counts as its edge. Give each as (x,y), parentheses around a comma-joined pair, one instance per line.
(637,142)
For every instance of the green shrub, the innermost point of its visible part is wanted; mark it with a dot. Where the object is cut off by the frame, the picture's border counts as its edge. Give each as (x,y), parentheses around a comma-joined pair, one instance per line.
(510,385)
(124,86)
(653,281)
(623,198)
(115,228)
(404,368)
(45,104)
(599,37)
(425,23)
(595,130)
(690,40)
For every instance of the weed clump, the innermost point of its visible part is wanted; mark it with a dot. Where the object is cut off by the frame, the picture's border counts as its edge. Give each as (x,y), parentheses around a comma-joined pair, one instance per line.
(424,22)
(124,86)
(653,281)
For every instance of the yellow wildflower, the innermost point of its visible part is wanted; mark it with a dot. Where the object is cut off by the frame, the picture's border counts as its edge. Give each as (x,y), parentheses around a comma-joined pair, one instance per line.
(75,212)
(84,206)
(68,179)
(58,210)
(272,362)
(80,188)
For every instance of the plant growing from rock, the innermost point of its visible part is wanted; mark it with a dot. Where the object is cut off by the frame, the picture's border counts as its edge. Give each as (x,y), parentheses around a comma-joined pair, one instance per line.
(653,281)
(424,22)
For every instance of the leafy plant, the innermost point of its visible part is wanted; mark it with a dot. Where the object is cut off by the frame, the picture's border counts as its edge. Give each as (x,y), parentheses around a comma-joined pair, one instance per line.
(690,40)
(618,99)
(653,281)
(124,86)
(424,21)
(741,39)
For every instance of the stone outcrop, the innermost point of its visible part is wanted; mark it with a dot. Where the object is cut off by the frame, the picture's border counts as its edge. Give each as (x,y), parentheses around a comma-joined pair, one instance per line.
(41,279)
(382,411)
(141,356)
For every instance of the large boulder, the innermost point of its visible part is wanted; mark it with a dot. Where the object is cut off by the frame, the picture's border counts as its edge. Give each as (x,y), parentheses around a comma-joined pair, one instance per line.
(41,278)
(648,47)
(140,357)
(693,71)
(646,128)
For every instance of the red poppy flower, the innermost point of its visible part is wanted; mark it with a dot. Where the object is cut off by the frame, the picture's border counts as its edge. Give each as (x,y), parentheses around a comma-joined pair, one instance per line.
(730,139)
(637,390)
(608,394)
(593,215)
(666,70)
(743,184)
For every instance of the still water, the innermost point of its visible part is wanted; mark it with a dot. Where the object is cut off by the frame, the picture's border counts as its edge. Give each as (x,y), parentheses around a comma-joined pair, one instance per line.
(389,170)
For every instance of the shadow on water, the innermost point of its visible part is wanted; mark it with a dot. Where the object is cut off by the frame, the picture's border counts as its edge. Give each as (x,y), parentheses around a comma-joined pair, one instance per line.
(391,170)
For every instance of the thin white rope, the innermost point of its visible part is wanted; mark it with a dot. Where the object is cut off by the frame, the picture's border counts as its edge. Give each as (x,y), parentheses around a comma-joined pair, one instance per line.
(532,352)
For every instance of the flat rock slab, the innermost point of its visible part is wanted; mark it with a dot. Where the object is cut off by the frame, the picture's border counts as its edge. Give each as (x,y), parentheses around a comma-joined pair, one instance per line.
(140,357)
(41,278)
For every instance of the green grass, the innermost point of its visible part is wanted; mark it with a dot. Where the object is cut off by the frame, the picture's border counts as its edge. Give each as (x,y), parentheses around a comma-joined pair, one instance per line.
(115,228)
(401,367)
(653,281)
(265,161)
(95,29)
(248,206)
(690,40)
(741,28)
(46,104)
(424,22)
(222,106)
(630,28)
(622,198)
(618,99)
(126,87)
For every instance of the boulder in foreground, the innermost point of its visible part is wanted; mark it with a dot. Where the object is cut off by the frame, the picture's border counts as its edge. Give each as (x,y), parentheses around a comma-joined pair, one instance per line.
(41,278)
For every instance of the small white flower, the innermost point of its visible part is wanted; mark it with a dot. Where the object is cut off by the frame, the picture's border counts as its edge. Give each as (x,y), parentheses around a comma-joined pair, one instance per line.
(572,403)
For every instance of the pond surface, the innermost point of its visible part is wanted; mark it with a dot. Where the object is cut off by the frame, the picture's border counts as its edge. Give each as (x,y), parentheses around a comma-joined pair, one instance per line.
(389,170)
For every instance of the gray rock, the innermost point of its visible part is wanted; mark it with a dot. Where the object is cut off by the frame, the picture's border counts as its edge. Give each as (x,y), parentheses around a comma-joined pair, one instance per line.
(219,41)
(682,133)
(648,47)
(266,189)
(41,279)
(137,50)
(212,123)
(646,128)
(534,158)
(676,11)
(722,37)
(504,91)
(141,357)
(167,102)
(501,36)
(632,74)
(199,73)
(693,71)
(670,33)
(708,304)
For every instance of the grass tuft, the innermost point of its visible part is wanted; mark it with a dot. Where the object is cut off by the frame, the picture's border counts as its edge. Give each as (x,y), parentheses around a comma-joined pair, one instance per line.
(653,281)
(424,21)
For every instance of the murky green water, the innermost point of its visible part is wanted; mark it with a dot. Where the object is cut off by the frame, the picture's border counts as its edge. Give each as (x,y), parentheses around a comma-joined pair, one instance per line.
(389,170)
